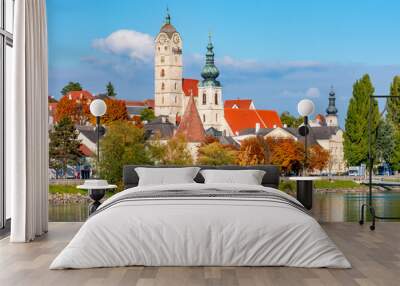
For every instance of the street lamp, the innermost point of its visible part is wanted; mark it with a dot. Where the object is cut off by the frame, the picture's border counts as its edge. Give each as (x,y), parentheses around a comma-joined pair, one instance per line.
(97,187)
(305,108)
(304,192)
(98,108)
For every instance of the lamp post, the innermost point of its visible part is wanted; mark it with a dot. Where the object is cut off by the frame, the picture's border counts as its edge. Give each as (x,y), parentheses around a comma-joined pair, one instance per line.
(305,107)
(304,183)
(97,187)
(98,108)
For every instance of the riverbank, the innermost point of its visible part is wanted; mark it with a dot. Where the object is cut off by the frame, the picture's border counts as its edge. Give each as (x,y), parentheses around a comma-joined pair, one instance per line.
(69,194)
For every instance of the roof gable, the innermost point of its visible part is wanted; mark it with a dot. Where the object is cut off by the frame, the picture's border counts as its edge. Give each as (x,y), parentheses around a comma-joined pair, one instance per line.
(239,103)
(191,126)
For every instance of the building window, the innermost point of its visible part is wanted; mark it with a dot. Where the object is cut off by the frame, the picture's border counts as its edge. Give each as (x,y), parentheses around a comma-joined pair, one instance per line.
(6,62)
(204,118)
(162,86)
(216,117)
(176,99)
(204,98)
(162,73)
(162,59)
(165,48)
(216,98)
(159,48)
(176,59)
(175,86)
(162,100)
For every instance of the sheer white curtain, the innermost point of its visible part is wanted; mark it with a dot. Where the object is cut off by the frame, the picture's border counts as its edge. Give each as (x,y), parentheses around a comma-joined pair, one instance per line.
(27,125)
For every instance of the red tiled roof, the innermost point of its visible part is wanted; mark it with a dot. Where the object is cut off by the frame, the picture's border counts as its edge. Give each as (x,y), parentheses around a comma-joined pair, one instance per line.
(190,125)
(150,103)
(320,118)
(189,87)
(75,95)
(239,119)
(240,103)
(134,103)
(85,150)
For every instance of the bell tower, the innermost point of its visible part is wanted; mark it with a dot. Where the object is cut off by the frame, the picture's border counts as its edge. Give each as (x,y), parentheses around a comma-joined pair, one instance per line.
(331,112)
(210,104)
(168,68)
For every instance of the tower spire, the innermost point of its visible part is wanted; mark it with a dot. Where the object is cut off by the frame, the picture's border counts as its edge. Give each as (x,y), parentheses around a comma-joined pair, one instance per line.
(332,110)
(167,17)
(210,72)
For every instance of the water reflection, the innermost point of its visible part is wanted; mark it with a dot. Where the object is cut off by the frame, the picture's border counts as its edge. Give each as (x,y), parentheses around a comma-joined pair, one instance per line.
(327,207)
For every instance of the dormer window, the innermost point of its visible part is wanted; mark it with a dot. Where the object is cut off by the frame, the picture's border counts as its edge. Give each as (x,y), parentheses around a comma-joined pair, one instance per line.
(204,99)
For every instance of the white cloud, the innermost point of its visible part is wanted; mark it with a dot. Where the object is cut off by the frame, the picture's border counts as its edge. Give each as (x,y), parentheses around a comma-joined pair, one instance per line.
(136,45)
(313,92)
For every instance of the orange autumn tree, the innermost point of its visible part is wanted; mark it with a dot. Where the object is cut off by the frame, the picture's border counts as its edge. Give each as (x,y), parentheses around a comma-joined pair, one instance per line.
(75,109)
(116,111)
(252,152)
(286,153)
(319,158)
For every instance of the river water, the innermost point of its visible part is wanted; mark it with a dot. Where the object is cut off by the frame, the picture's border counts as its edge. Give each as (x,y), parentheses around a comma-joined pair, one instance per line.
(327,207)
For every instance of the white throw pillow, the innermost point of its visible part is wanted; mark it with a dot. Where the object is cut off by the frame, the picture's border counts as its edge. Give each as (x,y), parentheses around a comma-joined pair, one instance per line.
(248,177)
(166,176)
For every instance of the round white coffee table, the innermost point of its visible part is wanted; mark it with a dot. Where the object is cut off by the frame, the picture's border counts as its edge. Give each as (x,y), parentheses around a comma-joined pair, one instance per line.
(96,189)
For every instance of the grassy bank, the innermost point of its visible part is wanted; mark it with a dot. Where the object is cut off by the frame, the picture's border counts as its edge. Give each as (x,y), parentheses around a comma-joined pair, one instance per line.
(70,189)
(290,186)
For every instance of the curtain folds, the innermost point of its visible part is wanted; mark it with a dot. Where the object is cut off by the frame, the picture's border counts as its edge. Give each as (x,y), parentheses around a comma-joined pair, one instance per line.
(27,124)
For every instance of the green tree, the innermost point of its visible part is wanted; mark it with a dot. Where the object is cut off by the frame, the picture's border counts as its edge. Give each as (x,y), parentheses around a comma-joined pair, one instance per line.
(123,144)
(290,120)
(356,124)
(174,152)
(385,145)
(147,114)
(110,90)
(216,154)
(64,145)
(71,86)
(393,115)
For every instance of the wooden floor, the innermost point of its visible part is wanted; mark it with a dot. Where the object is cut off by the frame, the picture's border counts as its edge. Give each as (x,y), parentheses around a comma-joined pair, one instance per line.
(375,257)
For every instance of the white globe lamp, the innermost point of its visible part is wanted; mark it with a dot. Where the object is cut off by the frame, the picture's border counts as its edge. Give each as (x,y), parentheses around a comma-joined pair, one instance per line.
(305,107)
(98,107)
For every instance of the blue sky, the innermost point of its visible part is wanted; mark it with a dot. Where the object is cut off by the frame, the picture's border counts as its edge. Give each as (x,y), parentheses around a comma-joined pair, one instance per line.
(275,52)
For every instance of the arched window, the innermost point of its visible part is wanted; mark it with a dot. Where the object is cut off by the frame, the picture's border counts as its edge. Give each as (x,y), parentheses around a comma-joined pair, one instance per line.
(162,86)
(204,98)
(162,59)
(175,86)
(204,118)
(162,100)
(162,73)
(176,99)
(216,98)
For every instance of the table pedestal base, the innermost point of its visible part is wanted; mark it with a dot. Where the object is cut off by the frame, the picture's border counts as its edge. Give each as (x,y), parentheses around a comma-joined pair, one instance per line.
(305,193)
(96,195)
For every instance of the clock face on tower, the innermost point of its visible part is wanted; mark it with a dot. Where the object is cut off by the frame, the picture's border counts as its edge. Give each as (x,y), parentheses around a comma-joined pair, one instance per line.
(176,39)
(162,39)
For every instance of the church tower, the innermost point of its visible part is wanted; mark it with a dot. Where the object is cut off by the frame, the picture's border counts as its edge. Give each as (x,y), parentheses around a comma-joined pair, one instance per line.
(168,72)
(210,104)
(331,112)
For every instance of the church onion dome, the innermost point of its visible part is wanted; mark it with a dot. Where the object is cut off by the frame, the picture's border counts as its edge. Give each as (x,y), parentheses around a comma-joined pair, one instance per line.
(332,110)
(210,72)
(168,28)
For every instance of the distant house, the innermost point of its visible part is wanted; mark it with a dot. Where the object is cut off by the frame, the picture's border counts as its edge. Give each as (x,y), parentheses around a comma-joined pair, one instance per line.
(134,108)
